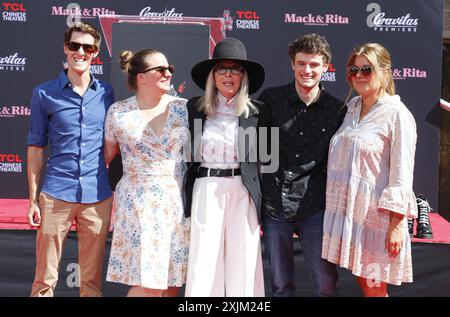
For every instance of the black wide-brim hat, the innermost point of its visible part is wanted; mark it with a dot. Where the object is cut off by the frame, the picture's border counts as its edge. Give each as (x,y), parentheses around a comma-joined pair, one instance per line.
(230,49)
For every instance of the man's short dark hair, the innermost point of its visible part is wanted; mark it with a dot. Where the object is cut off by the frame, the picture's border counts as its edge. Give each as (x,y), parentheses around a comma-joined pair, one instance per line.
(311,44)
(83,27)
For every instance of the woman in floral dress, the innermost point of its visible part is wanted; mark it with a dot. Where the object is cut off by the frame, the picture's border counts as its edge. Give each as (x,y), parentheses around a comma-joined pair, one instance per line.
(150,244)
(370,177)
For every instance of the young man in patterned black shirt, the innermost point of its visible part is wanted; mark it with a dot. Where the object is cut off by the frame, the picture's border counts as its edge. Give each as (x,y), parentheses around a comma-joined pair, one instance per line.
(294,196)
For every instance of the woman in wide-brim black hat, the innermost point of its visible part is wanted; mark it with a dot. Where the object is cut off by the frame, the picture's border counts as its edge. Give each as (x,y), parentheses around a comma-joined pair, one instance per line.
(222,184)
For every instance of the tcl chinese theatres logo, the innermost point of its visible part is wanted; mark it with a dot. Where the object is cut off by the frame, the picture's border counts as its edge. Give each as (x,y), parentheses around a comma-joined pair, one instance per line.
(244,19)
(330,74)
(247,20)
(10,163)
(13,12)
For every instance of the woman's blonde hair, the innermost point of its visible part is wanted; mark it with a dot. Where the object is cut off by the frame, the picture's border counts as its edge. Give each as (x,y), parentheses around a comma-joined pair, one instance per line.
(380,59)
(208,102)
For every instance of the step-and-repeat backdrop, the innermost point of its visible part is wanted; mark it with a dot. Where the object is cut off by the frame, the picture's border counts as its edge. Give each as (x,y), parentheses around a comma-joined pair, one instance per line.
(31,52)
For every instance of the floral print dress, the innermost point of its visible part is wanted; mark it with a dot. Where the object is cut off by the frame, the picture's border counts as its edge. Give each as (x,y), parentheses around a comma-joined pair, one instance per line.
(151,234)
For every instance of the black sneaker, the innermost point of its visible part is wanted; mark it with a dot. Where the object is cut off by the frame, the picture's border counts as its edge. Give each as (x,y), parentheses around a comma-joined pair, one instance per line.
(410,226)
(423,221)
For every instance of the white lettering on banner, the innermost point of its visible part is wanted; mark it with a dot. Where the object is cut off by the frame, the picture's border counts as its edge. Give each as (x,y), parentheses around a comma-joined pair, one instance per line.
(247,24)
(13,63)
(97,66)
(328,76)
(12,60)
(378,20)
(147,12)
(403,21)
(11,167)
(12,68)
(15,16)
(97,69)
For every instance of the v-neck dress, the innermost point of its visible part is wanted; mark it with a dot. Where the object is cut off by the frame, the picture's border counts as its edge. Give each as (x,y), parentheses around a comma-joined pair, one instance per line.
(151,235)
(370,174)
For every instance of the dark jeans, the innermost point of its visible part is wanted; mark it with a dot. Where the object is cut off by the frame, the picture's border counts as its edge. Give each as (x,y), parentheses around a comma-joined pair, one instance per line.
(279,247)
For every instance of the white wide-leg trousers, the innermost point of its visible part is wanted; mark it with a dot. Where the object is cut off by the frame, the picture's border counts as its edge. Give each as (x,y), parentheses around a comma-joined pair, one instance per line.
(225,249)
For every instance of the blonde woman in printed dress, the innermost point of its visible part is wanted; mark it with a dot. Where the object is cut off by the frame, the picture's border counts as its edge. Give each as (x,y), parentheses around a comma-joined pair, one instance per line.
(370,177)
(150,244)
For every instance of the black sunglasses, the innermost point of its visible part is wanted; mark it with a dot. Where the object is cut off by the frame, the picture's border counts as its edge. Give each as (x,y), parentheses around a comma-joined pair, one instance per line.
(365,70)
(162,69)
(75,46)
(222,70)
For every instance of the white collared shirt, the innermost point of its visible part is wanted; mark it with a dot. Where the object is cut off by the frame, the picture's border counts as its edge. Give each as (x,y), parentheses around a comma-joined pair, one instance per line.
(220,136)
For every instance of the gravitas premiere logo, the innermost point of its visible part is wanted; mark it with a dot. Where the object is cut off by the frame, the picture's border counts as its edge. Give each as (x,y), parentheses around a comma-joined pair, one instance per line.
(315,19)
(12,63)
(380,21)
(168,14)
(408,72)
(14,12)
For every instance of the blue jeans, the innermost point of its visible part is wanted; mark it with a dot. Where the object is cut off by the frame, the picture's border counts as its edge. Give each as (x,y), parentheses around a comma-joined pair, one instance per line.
(279,248)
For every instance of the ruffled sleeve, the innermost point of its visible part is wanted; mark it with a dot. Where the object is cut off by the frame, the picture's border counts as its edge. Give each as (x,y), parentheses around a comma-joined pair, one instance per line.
(399,200)
(398,196)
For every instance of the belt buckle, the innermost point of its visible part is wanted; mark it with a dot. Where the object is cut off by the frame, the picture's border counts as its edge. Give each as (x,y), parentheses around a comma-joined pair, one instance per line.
(232,172)
(208,172)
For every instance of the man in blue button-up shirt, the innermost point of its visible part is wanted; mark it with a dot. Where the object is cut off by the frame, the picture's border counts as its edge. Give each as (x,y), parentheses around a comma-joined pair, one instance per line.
(68,113)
